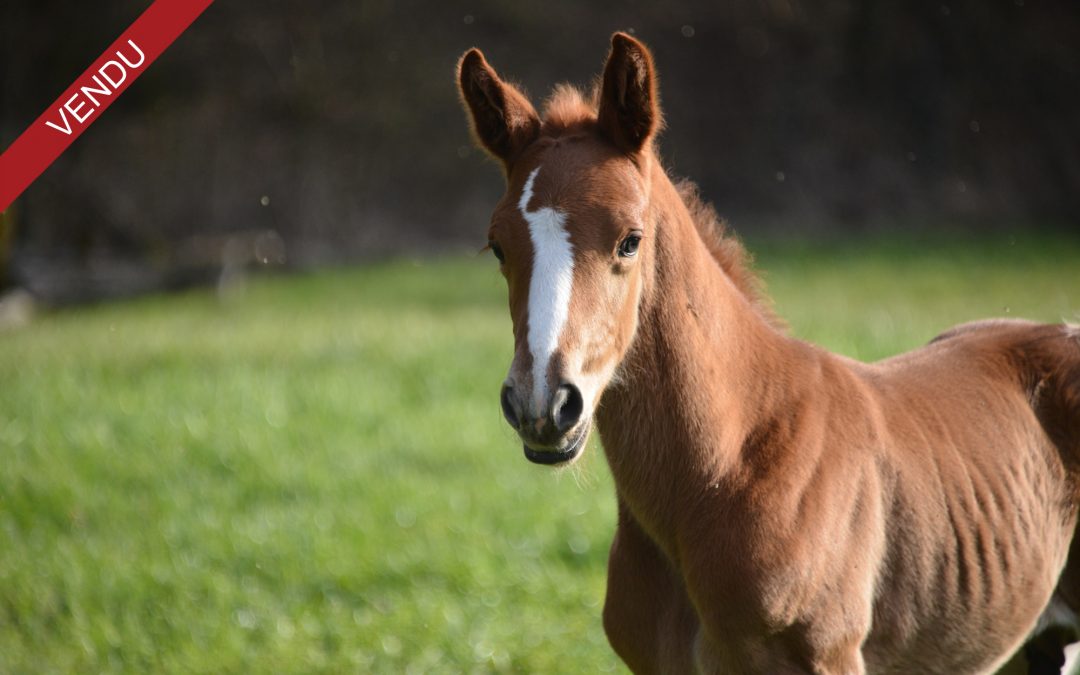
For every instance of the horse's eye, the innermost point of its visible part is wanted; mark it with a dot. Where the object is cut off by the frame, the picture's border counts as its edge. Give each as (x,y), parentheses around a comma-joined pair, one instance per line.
(497,250)
(629,246)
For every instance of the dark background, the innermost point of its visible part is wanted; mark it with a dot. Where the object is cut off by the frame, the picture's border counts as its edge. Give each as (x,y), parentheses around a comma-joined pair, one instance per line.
(317,132)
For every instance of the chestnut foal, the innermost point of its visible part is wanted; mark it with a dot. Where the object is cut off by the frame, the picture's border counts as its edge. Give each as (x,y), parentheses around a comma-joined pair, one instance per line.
(781,509)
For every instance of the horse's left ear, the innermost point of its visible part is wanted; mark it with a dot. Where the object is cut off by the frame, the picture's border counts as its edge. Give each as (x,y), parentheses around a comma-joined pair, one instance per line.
(629,105)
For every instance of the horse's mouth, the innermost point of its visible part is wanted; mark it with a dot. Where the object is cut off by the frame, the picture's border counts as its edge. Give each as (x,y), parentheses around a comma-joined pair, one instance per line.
(570,450)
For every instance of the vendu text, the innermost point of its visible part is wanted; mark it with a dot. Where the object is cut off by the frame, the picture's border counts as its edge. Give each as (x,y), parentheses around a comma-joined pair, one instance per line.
(112,73)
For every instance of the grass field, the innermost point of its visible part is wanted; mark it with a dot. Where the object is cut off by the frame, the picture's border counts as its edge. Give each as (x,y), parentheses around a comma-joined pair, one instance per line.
(313,475)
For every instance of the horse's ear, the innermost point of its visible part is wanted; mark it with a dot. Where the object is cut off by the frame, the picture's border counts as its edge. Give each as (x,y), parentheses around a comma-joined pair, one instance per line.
(502,118)
(629,105)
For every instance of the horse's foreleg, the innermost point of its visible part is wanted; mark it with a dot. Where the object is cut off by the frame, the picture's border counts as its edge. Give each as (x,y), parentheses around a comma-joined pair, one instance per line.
(648,619)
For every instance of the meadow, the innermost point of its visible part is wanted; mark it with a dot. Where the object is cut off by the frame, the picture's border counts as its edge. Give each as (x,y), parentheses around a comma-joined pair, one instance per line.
(310,473)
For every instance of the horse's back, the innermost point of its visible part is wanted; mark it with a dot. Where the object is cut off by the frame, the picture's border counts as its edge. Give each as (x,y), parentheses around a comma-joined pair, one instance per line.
(1044,360)
(1006,379)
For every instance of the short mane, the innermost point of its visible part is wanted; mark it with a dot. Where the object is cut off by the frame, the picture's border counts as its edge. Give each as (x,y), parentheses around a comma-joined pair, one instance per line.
(727,250)
(569,109)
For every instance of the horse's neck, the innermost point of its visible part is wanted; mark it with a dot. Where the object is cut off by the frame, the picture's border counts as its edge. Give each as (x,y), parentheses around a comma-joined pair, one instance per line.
(693,386)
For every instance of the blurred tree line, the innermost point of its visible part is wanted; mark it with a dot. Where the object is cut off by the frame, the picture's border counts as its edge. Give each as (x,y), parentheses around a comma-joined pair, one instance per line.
(330,130)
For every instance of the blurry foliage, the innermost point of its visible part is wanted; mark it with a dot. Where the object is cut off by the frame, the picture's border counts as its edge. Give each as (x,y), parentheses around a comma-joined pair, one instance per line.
(344,116)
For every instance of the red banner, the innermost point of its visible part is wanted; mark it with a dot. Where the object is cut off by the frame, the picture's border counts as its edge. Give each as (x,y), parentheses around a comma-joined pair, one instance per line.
(93,92)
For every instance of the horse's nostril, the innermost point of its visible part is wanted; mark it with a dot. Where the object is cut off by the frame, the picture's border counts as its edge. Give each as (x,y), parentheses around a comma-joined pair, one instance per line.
(509,412)
(568,407)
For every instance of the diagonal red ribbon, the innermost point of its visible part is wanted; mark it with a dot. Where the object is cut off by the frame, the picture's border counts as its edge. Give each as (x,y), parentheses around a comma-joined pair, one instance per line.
(93,92)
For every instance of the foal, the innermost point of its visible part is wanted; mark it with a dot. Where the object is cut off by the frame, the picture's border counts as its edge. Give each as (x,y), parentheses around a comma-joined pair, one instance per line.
(781,509)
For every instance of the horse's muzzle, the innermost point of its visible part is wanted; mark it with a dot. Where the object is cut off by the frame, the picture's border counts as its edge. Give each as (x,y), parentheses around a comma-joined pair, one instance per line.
(573,447)
(551,430)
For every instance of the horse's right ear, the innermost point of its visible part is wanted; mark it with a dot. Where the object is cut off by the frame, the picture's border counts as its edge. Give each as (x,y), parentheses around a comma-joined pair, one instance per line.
(502,118)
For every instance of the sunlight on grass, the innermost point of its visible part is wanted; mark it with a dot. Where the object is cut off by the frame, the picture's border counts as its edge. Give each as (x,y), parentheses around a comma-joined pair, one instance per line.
(315,476)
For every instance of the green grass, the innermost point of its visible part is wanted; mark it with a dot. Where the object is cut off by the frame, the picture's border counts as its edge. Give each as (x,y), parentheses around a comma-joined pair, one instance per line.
(313,475)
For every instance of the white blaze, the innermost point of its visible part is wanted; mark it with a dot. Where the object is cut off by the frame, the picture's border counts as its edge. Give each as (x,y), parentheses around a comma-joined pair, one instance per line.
(549,287)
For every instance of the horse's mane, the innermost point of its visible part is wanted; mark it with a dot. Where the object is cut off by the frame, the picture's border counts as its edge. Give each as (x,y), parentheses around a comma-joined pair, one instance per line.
(568,108)
(727,250)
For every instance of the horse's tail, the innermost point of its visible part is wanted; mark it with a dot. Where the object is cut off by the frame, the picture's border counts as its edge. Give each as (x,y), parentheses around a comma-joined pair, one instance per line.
(1054,370)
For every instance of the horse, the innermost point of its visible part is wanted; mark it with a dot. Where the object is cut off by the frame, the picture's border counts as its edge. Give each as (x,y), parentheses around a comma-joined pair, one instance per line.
(781,509)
